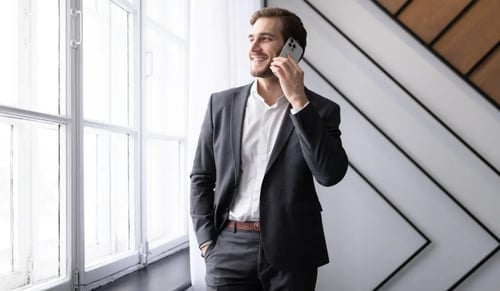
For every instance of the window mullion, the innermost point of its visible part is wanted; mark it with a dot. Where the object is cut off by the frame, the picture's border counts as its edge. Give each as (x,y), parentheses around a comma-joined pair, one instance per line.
(75,141)
(11,202)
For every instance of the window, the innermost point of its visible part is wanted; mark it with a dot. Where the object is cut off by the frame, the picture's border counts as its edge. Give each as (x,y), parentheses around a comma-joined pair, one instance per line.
(110,131)
(33,202)
(93,138)
(33,127)
(165,124)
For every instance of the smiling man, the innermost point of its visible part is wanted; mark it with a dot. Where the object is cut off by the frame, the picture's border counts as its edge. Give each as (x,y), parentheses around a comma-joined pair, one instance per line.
(254,206)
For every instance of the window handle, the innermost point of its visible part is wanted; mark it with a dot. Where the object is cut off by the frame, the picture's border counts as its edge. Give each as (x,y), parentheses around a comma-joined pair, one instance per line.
(77,14)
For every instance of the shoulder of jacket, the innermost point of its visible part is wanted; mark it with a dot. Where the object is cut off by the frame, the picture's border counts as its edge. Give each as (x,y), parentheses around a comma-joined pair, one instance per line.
(232,91)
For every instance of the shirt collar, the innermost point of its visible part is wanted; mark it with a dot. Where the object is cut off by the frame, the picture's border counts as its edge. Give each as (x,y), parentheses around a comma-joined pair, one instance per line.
(254,94)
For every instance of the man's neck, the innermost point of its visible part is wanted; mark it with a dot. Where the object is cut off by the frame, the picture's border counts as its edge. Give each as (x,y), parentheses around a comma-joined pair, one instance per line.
(270,89)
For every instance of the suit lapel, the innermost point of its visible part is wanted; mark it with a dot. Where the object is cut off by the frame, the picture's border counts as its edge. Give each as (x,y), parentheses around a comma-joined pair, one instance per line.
(281,139)
(283,135)
(237,116)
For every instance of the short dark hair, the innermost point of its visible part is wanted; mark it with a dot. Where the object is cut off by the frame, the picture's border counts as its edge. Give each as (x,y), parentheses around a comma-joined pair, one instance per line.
(292,24)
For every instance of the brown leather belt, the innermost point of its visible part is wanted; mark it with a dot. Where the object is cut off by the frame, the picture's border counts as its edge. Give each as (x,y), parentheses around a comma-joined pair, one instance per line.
(243,225)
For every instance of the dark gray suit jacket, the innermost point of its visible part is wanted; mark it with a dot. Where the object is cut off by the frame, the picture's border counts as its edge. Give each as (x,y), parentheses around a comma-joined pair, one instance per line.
(308,146)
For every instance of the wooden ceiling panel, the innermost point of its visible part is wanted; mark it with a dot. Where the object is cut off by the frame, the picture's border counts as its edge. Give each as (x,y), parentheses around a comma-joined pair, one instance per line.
(392,5)
(472,36)
(427,18)
(487,76)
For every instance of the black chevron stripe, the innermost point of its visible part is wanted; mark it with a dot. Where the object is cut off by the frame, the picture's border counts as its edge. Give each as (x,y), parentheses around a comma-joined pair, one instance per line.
(417,252)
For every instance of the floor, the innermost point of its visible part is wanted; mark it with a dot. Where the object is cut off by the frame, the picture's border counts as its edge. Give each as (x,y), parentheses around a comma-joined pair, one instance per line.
(168,274)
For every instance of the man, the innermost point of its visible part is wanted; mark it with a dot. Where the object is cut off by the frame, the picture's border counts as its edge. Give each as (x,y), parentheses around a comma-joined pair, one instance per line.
(254,207)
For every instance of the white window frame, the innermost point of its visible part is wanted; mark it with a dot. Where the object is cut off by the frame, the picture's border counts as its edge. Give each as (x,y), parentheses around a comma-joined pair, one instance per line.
(19,114)
(76,276)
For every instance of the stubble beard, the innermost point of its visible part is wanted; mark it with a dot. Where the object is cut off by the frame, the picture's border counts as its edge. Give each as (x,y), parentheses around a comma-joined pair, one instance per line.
(264,73)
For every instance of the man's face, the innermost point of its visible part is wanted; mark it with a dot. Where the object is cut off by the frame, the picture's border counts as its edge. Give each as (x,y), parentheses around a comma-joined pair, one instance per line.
(266,42)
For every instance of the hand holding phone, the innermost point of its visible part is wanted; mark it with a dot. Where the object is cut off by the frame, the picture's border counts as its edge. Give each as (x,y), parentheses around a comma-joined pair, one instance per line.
(292,48)
(290,75)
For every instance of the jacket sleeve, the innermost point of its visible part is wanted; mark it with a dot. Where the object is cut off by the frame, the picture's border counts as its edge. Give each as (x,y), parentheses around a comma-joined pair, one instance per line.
(317,127)
(203,177)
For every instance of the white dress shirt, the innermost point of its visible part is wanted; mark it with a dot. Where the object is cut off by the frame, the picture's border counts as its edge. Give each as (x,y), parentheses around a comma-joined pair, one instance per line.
(260,129)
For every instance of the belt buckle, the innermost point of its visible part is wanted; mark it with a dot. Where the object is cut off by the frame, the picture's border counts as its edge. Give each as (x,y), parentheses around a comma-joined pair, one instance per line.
(256,226)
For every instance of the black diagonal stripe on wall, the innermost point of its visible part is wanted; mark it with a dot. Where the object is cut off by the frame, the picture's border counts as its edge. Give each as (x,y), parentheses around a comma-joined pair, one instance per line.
(411,95)
(442,59)
(476,267)
(441,187)
(420,232)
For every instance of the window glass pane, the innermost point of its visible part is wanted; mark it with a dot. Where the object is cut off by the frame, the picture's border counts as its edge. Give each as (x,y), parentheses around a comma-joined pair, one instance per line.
(32,56)
(9,52)
(166,203)
(5,200)
(108,195)
(169,15)
(165,89)
(165,85)
(107,63)
(46,49)
(32,248)
(48,202)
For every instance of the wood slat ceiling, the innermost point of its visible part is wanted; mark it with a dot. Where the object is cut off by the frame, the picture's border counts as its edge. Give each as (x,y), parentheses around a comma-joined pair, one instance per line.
(463,33)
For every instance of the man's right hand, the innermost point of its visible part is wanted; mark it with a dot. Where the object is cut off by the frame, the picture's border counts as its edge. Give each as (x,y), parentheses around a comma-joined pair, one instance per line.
(204,249)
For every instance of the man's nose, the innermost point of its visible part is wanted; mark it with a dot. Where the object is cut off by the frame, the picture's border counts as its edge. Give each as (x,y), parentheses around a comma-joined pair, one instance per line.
(254,46)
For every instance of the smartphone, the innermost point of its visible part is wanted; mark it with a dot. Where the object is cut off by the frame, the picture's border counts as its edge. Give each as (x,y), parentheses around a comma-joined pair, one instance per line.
(292,48)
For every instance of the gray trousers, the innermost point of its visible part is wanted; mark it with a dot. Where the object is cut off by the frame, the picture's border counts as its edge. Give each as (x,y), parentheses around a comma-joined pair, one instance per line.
(237,262)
